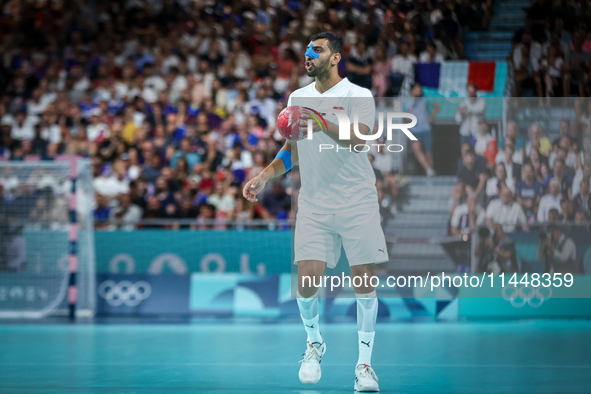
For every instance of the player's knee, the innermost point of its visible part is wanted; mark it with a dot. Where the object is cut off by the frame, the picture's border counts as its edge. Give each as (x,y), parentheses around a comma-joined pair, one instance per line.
(307,292)
(311,268)
(362,270)
(310,277)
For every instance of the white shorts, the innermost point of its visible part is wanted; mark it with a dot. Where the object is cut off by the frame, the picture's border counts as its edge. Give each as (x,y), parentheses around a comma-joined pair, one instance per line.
(320,236)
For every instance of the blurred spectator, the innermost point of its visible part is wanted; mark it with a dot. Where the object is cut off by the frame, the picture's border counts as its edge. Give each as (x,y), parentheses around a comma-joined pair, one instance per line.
(207,213)
(486,144)
(529,191)
(578,66)
(550,201)
(505,255)
(430,54)
(552,68)
(562,150)
(22,127)
(224,200)
(467,217)
(553,215)
(186,153)
(495,254)
(422,131)
(381,71)
(359,64)
(557,252)
(540,166)
(458,196)
(385,163)
(513,169)
(469,114)
(127,214)
(511,134)
(402,67)
(492,185)
(276,201)
(506,211)
(582,173)
(582,201)
(472,170)
(96,131)
(566,206)
(564,181)
(538,141)
(564,130)
(187,209)
(102,211)
(113,185)
(526,60)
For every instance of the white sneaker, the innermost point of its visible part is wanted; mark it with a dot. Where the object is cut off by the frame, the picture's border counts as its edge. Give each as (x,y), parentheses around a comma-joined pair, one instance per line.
(310,372)
(365,379)
(431,172)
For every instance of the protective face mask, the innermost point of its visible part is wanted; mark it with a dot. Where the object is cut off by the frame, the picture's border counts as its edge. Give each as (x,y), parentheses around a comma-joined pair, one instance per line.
(310,53)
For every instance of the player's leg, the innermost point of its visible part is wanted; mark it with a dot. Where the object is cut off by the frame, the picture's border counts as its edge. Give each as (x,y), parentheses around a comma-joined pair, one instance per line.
(316,246)
(310,274)
(365,246)
(367,313)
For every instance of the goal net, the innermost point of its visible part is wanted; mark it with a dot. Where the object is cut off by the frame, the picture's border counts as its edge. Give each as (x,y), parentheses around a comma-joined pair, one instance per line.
(41,239)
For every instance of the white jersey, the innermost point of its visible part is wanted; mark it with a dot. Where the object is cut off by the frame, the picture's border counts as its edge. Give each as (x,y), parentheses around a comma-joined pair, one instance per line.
(335,181)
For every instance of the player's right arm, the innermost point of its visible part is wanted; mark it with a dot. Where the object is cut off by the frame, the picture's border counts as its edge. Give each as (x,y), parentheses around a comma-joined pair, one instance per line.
(283,162)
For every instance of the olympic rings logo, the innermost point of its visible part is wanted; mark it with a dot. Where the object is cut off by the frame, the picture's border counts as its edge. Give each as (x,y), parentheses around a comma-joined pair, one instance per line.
(124,292)
(532,296)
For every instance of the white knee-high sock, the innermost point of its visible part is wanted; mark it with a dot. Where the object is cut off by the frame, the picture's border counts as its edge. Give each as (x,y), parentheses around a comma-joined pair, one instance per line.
(367,313)
(309,312)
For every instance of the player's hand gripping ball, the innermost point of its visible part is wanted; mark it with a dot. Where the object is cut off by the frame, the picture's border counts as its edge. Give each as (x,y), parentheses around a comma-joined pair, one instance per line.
(291,120)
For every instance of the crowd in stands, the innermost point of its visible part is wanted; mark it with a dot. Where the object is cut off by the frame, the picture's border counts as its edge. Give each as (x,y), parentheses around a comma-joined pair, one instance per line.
(517,182)
(175,102)
(552,52)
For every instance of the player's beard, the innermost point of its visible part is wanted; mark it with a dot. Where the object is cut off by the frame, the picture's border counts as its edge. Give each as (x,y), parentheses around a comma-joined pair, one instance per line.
(319,70)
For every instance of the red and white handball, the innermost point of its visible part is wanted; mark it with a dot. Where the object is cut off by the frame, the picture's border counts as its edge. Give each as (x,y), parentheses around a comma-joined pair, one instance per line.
(288,123)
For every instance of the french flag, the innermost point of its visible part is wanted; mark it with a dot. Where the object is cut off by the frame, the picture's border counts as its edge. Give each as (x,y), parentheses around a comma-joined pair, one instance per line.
(449,79)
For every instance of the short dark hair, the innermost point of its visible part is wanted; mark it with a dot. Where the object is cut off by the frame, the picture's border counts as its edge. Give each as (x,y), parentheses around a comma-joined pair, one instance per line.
(335,42)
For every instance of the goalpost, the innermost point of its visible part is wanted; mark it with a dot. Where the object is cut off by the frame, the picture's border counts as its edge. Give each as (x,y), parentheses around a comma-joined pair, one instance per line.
(46,239)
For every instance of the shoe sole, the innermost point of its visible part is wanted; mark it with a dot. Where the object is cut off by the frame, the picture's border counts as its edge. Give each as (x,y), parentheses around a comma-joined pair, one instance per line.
(311,381)
(319,374)
(364,390)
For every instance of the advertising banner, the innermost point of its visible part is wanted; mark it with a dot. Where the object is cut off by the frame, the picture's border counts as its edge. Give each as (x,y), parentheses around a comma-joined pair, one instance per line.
(270,296)
(183,252)
(125,294)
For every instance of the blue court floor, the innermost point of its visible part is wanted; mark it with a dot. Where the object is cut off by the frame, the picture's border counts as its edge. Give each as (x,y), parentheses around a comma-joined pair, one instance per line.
(501,357)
